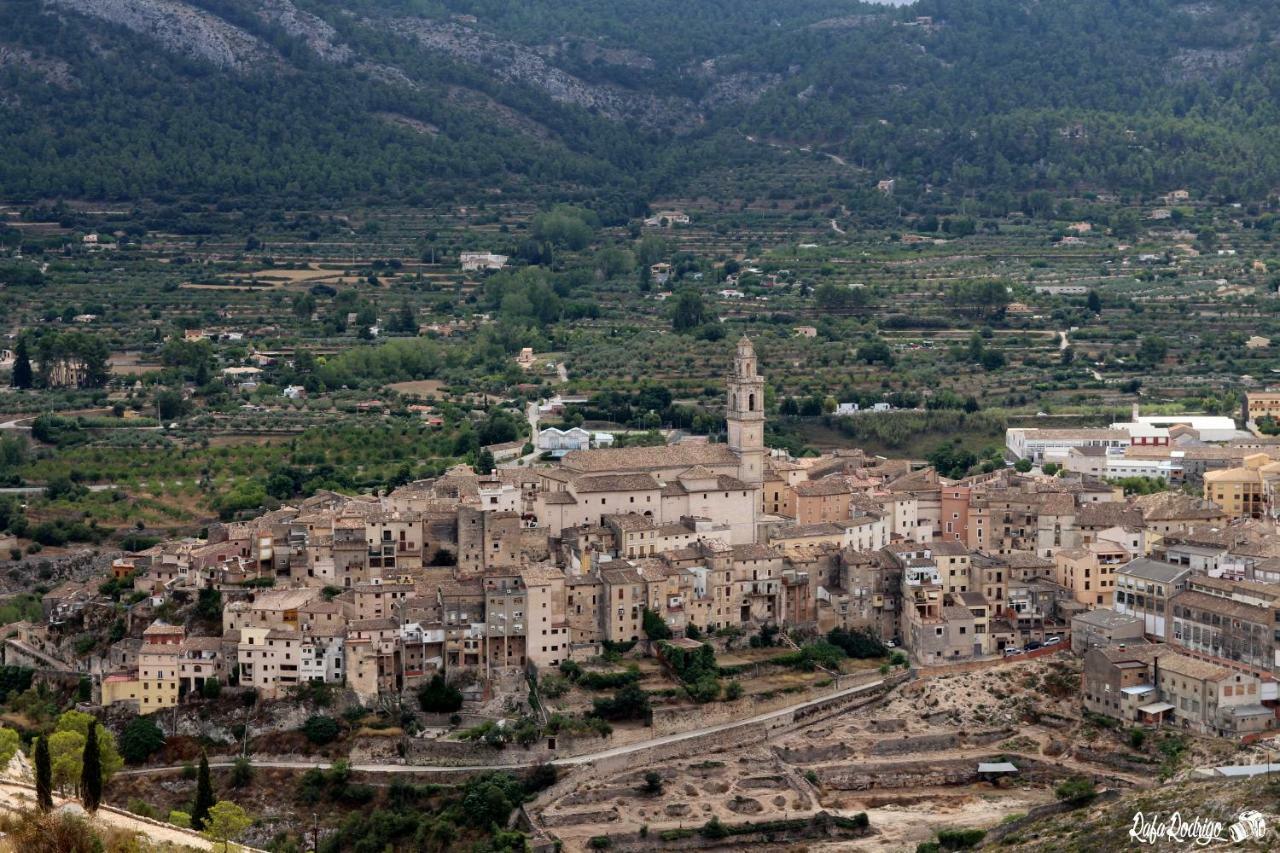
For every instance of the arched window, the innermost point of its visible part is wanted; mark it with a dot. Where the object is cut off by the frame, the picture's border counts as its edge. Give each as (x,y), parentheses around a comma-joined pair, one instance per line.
(751,403)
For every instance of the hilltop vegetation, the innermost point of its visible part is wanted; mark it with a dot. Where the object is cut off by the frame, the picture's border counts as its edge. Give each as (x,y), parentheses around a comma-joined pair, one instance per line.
(441,99)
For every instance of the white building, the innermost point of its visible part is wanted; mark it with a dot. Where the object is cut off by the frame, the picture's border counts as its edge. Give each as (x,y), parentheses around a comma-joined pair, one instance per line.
(558,442)
(1053,445)
(666,218)
(482,261)
(1210,427)
(321,658)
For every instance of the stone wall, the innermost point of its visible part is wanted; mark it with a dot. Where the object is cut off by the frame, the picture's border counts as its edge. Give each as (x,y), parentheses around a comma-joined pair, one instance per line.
(680,718)
(934,773)
(732,737)
(939,742)
(978,665)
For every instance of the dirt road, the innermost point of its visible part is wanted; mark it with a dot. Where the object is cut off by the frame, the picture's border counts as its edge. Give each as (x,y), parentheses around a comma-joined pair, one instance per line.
(18,797)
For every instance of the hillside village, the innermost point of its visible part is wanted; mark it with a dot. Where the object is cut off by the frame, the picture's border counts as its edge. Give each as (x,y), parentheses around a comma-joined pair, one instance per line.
(473,577)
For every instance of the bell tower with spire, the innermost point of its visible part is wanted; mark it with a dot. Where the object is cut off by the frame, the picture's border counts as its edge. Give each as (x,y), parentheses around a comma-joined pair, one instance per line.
(745,414)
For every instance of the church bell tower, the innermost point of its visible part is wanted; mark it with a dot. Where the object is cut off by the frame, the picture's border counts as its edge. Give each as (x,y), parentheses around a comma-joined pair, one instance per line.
(745,414)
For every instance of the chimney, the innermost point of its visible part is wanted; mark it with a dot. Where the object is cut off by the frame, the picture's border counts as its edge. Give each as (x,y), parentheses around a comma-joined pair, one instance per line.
(1135,413)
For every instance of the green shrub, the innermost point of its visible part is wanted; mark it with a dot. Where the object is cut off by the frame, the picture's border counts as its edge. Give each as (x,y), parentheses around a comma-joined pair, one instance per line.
(629,703)
(655,628)
(714,829)
(553,686)
(320,729)
(241,772)
(437,697)
(959,839)
(608,680)
(1078,791)
(140,740)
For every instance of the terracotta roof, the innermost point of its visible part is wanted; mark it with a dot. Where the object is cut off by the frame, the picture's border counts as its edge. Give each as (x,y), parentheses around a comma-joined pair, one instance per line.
(629,521)
(615,483)
(1218,604)
(947,547)
(800,531)
(1140,651)
(1193,667)
(632,459)
(756,551)
(1025,560)
(825,487)
(539,573)
(726,483)
(1259,589)
(1108,514)
(621,576)
(673,489)
(372,624)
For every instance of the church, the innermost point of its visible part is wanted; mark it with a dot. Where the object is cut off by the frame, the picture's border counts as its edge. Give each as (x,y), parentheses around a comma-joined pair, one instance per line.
(669,495)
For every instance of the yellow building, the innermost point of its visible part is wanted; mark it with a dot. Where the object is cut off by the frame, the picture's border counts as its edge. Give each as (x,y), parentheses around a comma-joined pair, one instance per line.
(1088,572)
(121,687)
(158,663)
(1243,492)
(1260,404)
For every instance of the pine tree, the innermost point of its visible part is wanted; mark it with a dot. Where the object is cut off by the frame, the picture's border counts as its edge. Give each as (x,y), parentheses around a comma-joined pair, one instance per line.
(91,772)
(204,795)
(22,376)
(44,775)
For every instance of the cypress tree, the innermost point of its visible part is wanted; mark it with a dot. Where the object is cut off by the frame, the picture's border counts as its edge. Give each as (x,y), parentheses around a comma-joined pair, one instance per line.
(91,772)
(22,377)
(204,795)
(44,775)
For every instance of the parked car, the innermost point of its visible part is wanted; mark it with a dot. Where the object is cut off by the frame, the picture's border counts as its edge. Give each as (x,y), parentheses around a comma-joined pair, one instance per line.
(1011,651)
(1052,641)
(1033,645)
(890,644)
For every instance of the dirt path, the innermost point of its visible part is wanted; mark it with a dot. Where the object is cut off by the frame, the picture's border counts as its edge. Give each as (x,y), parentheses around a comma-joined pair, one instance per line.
(17,797)
(572,761)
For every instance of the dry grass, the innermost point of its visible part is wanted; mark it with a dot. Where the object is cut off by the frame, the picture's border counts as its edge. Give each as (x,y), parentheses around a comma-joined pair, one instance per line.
(418,388)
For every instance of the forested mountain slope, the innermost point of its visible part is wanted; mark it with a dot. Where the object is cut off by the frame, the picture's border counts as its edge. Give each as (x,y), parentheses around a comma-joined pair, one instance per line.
(617,100)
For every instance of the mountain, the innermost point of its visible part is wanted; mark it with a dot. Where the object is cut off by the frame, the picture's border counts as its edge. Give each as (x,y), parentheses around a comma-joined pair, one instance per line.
(615,101)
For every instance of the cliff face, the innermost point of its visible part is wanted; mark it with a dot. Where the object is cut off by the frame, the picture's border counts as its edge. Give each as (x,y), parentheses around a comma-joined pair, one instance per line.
(181,29)
(227,42)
